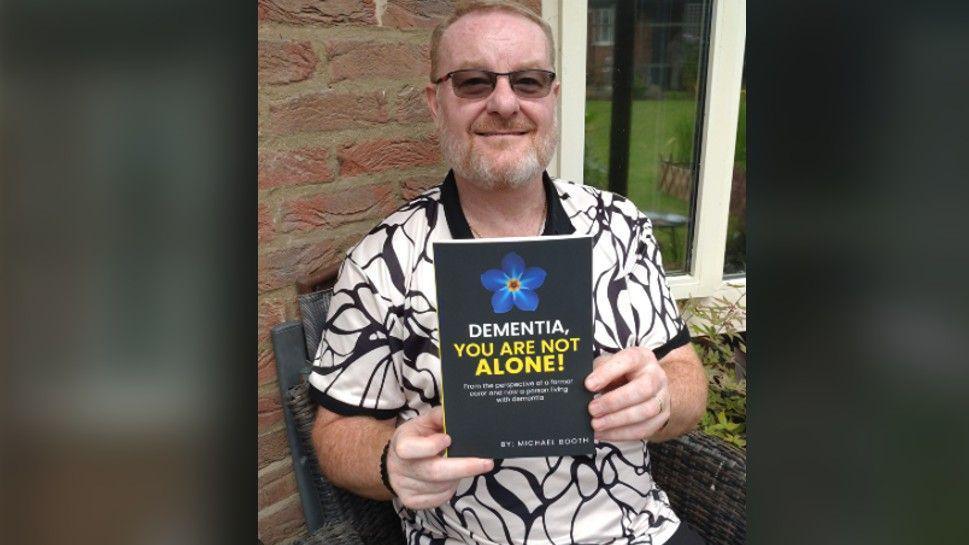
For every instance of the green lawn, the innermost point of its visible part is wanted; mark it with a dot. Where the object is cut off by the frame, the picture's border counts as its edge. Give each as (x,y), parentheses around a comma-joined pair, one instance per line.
(658,127)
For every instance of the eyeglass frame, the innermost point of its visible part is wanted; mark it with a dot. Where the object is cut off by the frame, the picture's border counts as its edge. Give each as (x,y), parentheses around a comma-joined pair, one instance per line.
(447,76)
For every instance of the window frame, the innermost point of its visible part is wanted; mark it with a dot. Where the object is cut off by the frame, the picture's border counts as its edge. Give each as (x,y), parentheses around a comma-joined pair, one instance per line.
(569,21)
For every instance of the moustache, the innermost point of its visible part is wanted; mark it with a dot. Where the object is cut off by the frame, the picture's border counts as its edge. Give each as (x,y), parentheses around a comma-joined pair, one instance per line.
(491,126)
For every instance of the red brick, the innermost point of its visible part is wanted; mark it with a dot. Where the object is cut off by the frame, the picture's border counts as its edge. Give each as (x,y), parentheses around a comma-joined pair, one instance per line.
(320,12)
(412,187)
(276,482)
(272,312)
(381,155)
(272,446)
(406,14)
(269,408)
(265,223)
(285,62)
(265,366)
(283,267)
(326,111)
(294,167)
(411,105)
(362,59)
(337,208)
(281,521)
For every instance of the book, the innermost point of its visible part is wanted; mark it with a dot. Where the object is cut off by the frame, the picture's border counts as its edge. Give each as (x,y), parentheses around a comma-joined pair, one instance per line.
(515,319)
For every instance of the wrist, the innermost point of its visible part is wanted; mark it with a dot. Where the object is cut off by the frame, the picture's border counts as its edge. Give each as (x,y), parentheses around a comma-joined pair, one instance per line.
(384,474)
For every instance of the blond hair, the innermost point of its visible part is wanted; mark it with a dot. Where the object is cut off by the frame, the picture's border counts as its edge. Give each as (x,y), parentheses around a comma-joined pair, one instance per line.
(475,6)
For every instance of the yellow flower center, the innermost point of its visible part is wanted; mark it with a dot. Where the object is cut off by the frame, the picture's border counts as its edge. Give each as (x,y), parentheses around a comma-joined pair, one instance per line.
(513,284)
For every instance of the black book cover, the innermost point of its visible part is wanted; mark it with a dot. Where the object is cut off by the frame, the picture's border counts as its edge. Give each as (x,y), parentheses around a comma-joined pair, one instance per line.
(515,321)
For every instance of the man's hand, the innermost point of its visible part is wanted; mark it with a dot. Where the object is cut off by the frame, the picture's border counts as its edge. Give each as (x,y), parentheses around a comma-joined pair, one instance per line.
(419,474)
(635,400)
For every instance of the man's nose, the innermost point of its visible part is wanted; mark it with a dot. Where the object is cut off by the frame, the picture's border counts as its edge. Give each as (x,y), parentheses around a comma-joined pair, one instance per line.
(503,100)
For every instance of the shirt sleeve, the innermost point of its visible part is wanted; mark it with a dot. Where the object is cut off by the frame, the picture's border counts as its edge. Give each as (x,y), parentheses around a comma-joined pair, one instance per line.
(658,323)
(355,370)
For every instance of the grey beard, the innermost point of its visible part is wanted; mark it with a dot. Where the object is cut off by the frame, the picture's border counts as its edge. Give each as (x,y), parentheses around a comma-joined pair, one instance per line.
(478,169)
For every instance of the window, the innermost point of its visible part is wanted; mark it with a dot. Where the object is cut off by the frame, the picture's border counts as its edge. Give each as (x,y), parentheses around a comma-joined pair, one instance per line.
(642,114)
(653,114)
(601,26)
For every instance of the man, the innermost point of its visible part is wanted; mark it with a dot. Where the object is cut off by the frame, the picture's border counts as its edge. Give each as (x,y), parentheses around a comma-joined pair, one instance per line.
(377,377)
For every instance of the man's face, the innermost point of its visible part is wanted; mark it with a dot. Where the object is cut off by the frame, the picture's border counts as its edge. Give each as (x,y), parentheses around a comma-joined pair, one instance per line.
(501,140)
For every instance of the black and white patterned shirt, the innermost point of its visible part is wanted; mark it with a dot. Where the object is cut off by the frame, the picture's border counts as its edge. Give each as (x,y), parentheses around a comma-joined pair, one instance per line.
(379,357)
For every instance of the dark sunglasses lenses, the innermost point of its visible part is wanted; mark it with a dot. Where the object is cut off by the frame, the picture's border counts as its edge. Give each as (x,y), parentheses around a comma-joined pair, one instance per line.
(531,83)
(480,84)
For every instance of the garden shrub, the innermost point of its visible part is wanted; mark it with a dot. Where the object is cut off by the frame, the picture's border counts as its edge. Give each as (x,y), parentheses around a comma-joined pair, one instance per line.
(715,325)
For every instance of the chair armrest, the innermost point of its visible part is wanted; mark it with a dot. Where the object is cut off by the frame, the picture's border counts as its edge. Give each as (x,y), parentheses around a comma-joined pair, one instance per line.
(291,365)
(706,481)
(333,534)
(366,522)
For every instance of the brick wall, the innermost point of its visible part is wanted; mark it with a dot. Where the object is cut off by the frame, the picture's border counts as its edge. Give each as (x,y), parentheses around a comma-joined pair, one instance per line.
(344,138)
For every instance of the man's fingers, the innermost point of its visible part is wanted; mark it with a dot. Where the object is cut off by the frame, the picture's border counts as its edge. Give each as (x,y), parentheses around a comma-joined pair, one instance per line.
(633,414)
(449,469)
(428,423)
(613,368)
(601,360)
(424,425)
(410,447)
(428,501)
(627,395)
(419,486)
(635,432)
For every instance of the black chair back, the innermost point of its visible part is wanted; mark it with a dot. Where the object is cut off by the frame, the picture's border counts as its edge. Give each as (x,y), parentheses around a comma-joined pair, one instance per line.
(342,517)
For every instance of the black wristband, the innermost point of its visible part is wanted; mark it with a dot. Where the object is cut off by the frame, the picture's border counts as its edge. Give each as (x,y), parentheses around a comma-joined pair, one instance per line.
(383,470)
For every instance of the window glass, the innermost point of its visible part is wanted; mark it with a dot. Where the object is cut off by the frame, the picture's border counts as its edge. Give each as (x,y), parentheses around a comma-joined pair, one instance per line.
(735,259)
(644,96)
(601,28)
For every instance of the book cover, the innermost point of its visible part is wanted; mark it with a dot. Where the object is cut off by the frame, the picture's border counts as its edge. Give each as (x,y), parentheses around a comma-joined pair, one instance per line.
(515,321)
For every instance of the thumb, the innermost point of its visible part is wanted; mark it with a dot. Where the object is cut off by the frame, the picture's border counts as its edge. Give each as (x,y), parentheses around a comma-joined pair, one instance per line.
(430,422)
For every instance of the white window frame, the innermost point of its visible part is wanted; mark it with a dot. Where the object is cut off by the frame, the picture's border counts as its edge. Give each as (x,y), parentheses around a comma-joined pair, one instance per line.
(728,30)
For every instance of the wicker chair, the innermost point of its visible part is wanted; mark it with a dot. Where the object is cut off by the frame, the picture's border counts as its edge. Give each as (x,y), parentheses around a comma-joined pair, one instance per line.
(704,477)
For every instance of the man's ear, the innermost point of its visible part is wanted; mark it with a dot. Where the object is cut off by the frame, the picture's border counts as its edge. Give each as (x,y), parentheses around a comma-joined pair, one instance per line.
(556,87)
(430,95)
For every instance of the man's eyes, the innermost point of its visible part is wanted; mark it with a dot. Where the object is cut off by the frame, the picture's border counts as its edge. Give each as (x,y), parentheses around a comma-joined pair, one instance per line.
(529,82)
(470,82)
(477,84)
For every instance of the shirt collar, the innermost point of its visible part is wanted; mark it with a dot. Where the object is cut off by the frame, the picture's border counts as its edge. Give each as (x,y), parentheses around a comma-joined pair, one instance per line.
(556,220)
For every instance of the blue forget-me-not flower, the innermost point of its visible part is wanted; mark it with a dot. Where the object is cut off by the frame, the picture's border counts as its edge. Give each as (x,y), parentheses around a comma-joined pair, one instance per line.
(513,285)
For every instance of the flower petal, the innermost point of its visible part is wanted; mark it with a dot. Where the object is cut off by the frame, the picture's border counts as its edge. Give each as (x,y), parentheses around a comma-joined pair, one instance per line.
(513,265)
(533,278)
(501,301)
(526,299)
(493,279)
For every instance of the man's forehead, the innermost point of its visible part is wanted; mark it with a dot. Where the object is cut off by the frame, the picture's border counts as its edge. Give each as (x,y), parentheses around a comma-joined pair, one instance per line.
(458,62)
(490,39)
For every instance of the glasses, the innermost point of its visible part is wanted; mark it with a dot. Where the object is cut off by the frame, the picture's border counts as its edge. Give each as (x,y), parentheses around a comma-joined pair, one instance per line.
(477,84)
